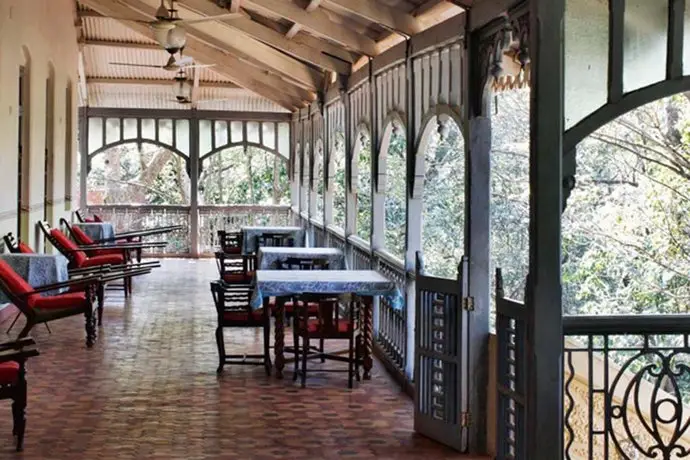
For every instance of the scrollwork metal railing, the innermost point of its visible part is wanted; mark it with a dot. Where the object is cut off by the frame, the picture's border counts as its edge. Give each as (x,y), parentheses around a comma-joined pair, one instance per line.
(232,218)
(627,387)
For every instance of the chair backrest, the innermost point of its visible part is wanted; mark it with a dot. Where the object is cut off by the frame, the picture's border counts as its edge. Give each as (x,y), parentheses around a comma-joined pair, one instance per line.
(79,236)
(303,263)
(274,240)
(79,216)
(232,298)
(11,243)
(230,242)
(63,244)
(333,320)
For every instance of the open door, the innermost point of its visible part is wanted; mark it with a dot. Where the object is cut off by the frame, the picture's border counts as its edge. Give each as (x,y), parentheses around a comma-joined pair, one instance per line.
(441,364)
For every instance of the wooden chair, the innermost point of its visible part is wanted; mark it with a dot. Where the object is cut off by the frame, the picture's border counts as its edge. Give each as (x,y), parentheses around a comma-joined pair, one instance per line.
(299,263)
(330,324)
(42,309)
(235,268)
(13,356)
(79,260)
(274,240)
(230,242)
(15,246)
(234,311)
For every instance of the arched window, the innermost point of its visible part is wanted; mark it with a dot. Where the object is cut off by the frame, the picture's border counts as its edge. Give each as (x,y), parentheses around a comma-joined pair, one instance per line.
(443,217)
(395,192)
(336,173)
(363,186)
(132,173)
(318,179)
(244,175)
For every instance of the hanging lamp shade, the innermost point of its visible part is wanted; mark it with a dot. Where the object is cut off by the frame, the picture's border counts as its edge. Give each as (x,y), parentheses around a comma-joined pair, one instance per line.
(176,40)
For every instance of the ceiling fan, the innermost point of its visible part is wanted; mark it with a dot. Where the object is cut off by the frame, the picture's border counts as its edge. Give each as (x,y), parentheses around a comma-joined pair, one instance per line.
(173,65)
(166,26)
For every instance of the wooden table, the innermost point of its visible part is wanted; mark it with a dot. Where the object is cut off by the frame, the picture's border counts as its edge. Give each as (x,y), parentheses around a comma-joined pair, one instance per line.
(37,270)
(285,283)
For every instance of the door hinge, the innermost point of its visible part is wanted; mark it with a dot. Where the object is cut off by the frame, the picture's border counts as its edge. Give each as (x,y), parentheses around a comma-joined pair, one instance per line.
(465,419)
(468,303)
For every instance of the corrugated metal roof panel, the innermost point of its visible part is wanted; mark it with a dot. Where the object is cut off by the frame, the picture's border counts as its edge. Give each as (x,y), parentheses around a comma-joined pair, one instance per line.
(96,28)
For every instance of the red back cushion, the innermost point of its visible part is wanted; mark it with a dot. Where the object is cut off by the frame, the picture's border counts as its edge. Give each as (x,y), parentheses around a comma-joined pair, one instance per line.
(24,248)
(80,236)
(97,218)
(62,240)
(89,220)
(13,281)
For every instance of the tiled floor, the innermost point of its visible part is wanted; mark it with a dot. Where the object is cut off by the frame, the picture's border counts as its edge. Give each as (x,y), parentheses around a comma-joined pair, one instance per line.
(148,390)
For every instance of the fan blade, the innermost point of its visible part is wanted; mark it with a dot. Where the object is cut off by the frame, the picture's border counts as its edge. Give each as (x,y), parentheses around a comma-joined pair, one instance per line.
(138,65)
(210,18)
(140,21)
(184,60)
(196,66)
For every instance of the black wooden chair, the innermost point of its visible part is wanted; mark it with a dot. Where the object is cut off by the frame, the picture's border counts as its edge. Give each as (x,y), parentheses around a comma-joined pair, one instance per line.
(13,356)
(230,242)
(236,268)
(15,246)
(274,240)
(233,308)
(330,324)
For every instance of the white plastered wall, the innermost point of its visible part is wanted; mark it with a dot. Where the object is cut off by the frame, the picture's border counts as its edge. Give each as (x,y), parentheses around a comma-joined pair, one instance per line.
(45,30)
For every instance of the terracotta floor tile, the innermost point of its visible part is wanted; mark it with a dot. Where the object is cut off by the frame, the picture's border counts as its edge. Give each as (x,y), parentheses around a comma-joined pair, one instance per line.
(148,390)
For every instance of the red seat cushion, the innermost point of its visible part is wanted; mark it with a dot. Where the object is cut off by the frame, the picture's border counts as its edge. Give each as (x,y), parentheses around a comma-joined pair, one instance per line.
(234,278)
(68,300)
(80,236)
(97,218)
(113,259)
(24,248)
(313,307)
(9,371)
(243,316)
(232,250)
(313,326)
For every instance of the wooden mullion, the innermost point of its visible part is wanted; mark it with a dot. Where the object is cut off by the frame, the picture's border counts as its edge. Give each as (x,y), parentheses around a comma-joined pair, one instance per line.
(616,30)
(676,31)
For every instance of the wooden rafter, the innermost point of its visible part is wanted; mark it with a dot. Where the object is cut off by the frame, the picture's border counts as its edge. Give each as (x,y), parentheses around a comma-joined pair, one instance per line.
(295,28)
(219,36)
(232,68)
(155,82)
(389,17)
(296,48)
(318,22)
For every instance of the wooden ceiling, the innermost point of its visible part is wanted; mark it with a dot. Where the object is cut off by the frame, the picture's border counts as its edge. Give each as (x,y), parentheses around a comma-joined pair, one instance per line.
(283,51)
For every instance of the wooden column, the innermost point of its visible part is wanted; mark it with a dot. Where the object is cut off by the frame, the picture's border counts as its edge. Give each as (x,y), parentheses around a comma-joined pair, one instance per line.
(83,155)
(194,184)
(543,294)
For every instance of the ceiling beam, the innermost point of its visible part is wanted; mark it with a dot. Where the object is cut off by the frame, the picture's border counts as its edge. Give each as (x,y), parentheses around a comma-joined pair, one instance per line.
(116,44)
(295,48)
(295,28)
(219,36)
(155,82)
(227,65)
(235,6)
(389,17)
(317,21)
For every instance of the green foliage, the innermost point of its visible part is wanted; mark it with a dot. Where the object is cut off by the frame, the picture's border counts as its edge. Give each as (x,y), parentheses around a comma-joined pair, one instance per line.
(339,185)
(363,197)
(395,197)
(443,218)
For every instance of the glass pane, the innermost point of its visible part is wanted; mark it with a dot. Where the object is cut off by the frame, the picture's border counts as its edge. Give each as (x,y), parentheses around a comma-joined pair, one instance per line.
(95,134)
(284,139)
(182,136)
(253,131)
(165,134)
(269,132)
(586,58)
(112,130)
(236,132)
(221,129)
(130,128)
(204,136)
(148,129)
(644,43)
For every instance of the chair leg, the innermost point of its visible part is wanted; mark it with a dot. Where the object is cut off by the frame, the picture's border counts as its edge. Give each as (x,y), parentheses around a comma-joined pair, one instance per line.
(295,343)
(19,414)
(100,297)
(305,352)
(27,328)
(89,323)
(350,361)
(13,322)
(48,327)
(323,358)
(220,342)
(267,343)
